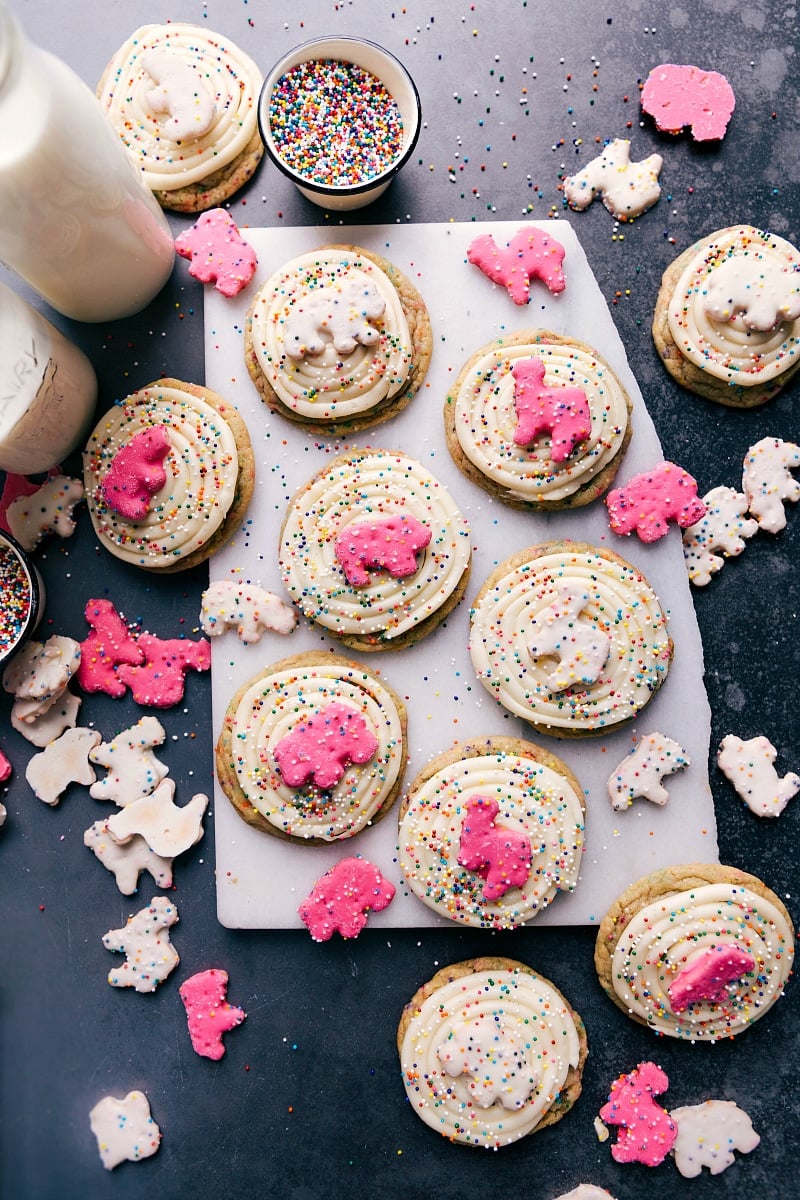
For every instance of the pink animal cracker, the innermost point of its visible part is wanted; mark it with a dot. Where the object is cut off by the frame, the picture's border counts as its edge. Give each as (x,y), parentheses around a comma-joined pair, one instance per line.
(388,543)
(137,473)
(149,954)
(62,762)
(342,899)
(218,253)
(767,481)
(708,1134)
(679,96)
(124,1129)
(246,607)
(500,855)
(705,979)
(127,860)
(647,1132)
(160,679)
(648,502)
(724,527)
(563,412)
(531,254)
(750,767)
(208,1012)
(110,645)
(640,772)
(320,747)
(47,510)
(6,769)
(626,188)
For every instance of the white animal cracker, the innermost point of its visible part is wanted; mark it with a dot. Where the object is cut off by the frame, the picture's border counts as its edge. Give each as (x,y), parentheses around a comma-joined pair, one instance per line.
(749,767)
(167,829)
(586,1191)
(62,762)
(767,481)
(343,312)
(761,291)
(641,772)
(124,1129)
(149,954)
(181,92)
(48,721)
(127,860)
(579,645)
(42,670)
(724,527)
(708,1134)
(627,188)
(251,609)
(48,510)
(133,769)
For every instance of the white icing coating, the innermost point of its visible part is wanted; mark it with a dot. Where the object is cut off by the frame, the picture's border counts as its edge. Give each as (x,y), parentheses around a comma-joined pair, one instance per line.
(580,646)
(127,860)
(48,510)
(767,481)
(133,769)
(485,420)
(621,606)
(42,670)
(201,468)
(124,1129)
(708,1134)
(371,483)
(49,722)
(173,156)
(724,527)
(308,305)
(246,607)
(734,348)
(272,707)
(62,762)
(749,765)
(149,954)
(766,292)
(640,772)
(495,1061)
(527,1013)
(167,829)
(627,188)
(666,936)
(535,801)
(586,1191)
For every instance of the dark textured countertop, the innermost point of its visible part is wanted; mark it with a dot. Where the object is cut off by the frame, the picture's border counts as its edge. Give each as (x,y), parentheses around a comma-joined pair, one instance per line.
(308,1102)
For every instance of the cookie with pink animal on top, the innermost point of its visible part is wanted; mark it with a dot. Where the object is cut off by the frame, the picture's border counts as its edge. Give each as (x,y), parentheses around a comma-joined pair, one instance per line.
(538,420)
(313,749)
(471,839)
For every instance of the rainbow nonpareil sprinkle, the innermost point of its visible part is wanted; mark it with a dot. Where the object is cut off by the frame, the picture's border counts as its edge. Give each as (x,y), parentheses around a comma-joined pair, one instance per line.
(15,599)
(334,123)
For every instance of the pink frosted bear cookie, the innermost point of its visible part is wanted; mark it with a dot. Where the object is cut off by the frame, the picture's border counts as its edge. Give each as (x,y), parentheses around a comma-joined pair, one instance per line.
(647,1132)
(531,254)
(208,1012)
(137,472)
(218,253)
(677,96)
(650,500)
(340,901)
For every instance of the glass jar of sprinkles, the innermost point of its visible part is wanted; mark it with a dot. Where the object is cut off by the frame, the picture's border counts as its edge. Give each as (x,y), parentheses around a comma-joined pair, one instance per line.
(21,597)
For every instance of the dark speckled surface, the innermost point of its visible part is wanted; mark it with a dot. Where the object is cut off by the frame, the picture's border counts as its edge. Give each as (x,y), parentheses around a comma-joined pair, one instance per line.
(307,1102)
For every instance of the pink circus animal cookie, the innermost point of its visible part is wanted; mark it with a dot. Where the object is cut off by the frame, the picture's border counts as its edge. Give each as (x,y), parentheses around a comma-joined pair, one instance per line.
(627,188)
(321,747)
(531,254)
(388,543)
(160,679)
(649,501)
(5,768)
(499,854)
(647,1132)
(342,899)
(110,645)
(680,96)
(563,412)
(707,976)
(136,473)
(208,1012)
(218,253)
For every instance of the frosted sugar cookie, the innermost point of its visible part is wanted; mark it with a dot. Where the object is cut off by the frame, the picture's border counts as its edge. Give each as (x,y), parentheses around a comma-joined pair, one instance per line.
(491,831)
(698,952)
(374,550)
(183,100)
(168,473)
(337,339)
(727,317)
(490,1051)
(570,637)
(538,420)
(313,748)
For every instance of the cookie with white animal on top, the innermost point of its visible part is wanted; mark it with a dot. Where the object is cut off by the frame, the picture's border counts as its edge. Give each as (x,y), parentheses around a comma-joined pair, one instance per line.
(727,316)
(538,420)
(337,339)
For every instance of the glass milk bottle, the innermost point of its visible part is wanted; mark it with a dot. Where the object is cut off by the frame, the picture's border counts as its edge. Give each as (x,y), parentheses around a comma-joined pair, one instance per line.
(76,220)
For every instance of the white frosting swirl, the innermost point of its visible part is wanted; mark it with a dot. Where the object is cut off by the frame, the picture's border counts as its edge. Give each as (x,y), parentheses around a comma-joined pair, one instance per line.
(719,335)
(272,707)
(535,801)
(619,603)
(370,483)
(665,937)
(201,467)
(485,420)
(333,383)
(527,1012)
(136,108)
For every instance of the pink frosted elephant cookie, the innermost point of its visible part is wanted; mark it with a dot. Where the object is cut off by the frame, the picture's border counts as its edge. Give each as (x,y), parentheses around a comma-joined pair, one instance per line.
(342,899)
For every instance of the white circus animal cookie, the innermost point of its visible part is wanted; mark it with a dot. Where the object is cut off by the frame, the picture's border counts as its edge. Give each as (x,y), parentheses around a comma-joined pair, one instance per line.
(767,481)
(47,510)
(124,1129)
(127,860)
(586,1191)
(640,772)
(181,92)
(766,293)
(708,1134)
(62,762)
(341,313)
(245,606)
(133,769)
(46,721)
(627,188)
(42,670)
(750,768)
(167,829)
(724,527)
(580,647)
(149,954)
